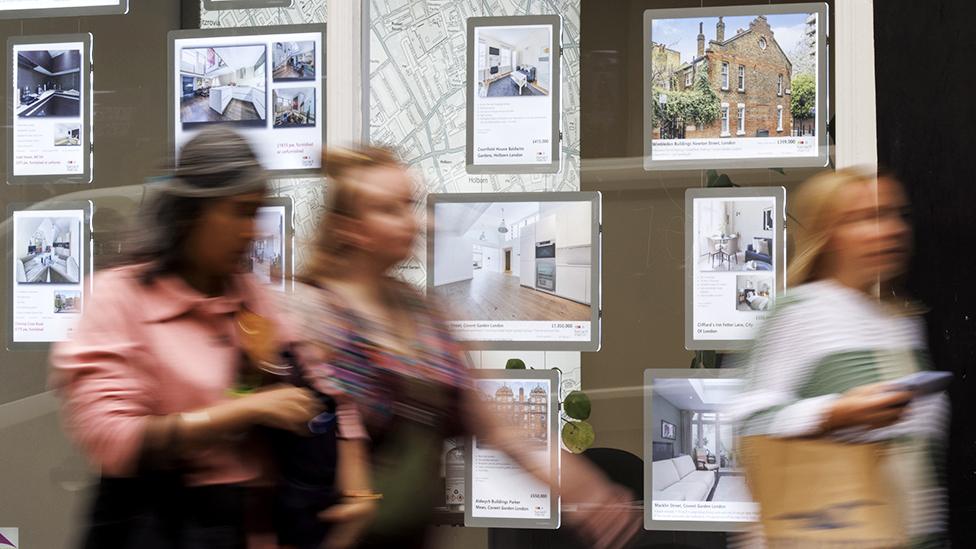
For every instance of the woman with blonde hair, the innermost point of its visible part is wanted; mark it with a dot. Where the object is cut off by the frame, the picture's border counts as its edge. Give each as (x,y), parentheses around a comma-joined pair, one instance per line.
(824,363)
(370,339)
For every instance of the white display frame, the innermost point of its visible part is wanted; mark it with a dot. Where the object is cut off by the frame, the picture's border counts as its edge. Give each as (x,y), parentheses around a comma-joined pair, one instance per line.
(596,247)
(86,269)
(820,160)
(555,53)
(320,82)
(649,422)
(554,462)
(214,5)
(119,7)
(86,175)
(777,195)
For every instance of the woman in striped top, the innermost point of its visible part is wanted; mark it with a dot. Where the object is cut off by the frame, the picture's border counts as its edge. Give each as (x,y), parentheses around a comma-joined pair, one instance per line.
(823,363)
(368,339)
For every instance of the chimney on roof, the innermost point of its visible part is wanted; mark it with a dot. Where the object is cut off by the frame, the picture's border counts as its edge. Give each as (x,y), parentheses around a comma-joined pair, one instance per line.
(720,30)
(701,39)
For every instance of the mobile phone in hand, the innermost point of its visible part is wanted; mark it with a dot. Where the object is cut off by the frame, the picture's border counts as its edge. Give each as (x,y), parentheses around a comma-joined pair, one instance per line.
(923,383)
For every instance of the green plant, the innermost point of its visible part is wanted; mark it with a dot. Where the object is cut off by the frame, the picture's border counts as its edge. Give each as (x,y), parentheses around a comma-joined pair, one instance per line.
(803,97)
(577,434)
(699,105)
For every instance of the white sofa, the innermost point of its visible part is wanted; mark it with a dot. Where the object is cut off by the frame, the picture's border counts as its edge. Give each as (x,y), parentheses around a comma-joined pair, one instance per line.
(677,479)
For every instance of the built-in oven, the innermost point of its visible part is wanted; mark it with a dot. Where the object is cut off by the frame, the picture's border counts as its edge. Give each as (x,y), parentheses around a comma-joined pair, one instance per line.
(545,275)
(545,249)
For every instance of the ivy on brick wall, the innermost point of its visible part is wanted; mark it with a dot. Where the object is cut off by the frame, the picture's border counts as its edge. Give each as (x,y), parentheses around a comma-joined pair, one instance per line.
(699,105)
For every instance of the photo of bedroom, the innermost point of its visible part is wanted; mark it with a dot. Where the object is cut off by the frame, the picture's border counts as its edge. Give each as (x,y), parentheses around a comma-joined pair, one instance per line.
(48,84)
(701,461)
(753,293)
(513,61)
(294,61)
(47,250)
(223,84)
(734,235)
(266,259)
(294,107)
(514,261)
(67,135)
(67,302)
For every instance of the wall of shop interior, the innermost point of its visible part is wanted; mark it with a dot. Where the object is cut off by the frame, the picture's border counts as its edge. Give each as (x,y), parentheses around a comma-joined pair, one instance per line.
(923,137)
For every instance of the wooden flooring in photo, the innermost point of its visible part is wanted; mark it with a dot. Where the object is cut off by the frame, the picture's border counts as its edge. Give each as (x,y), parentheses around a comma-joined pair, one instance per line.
(198,110)
(496,296)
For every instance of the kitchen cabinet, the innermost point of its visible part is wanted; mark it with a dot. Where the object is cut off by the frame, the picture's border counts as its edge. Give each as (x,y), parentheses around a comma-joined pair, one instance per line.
(571,282)
(573,224)
(527,256)
(545,229)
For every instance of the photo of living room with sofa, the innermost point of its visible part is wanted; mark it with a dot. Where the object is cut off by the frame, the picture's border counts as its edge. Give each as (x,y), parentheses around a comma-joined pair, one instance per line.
(734,235)
(694,448)
(223,84)
(46,250)
(48,84)
(513,61)
(514,261)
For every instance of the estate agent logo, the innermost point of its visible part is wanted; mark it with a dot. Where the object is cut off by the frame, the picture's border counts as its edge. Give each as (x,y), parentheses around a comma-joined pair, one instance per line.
(9,537)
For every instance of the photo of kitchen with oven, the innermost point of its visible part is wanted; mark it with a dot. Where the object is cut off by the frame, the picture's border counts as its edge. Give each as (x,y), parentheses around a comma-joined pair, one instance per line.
(67,135)
(294,61)
(514,261)
(294,107)
(734,235)
(695,456)
(47,250)
(513,61)
(223,84)
(48,84)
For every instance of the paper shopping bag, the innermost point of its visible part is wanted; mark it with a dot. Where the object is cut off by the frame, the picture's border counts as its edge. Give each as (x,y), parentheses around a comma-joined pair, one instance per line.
(813,491)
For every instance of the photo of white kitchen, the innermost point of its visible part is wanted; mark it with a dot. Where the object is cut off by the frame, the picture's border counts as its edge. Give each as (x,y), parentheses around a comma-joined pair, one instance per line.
(223,84)
(514,261)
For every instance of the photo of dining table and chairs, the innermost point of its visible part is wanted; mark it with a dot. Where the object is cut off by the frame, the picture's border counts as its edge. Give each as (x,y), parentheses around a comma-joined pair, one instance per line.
(734,235)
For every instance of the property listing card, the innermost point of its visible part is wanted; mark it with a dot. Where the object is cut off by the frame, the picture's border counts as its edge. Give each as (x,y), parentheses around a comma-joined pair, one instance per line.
(499,487)
(734,266)
(50,89)
(269,87)
(48,268)
(14,5)
(512,95)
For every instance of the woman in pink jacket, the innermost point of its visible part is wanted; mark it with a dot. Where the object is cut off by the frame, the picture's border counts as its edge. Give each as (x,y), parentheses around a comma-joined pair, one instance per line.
(147,380)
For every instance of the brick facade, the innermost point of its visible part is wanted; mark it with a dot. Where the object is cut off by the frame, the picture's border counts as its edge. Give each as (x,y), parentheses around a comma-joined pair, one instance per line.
(761,96)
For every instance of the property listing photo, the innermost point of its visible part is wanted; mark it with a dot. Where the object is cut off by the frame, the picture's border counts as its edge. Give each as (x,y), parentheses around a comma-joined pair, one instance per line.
(67,301)
(522,406)
(294,107)
(514,261)
(67,135)
(267,255)
(223,84)
(734,235)
(513,61)
(695,455)
(753,293)
(47,250)
(48,84)
(750,76)
(294,61)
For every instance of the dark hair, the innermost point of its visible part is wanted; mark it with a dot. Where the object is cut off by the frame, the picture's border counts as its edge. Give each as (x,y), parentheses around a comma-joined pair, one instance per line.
(216,164)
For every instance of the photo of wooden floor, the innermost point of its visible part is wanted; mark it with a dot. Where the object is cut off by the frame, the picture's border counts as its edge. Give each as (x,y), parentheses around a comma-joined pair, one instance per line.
(499,297)
(198,109)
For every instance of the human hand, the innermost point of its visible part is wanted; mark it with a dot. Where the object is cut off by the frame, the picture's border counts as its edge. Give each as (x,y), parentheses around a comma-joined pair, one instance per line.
(283,407)
(351,518)
(871,406)
(609,524)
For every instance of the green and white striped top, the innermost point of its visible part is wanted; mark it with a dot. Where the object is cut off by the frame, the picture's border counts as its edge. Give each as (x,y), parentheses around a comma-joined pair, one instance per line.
(824,339)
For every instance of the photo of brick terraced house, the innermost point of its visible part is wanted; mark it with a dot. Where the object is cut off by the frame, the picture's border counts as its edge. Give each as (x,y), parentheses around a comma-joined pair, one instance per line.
(732,84)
